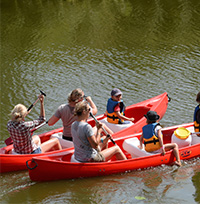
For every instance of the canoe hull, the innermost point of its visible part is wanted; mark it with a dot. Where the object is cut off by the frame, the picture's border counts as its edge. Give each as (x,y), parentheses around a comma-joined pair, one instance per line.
(58,166)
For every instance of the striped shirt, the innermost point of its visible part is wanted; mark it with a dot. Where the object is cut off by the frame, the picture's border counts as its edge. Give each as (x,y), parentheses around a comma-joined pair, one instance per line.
(21,135)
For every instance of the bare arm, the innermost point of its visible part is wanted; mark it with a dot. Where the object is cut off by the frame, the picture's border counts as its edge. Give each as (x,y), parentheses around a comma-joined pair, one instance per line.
(161,141)
(160,137)
(42,110)
(52,120)
(119,115)
(92,104)
(95,140)
(141,141)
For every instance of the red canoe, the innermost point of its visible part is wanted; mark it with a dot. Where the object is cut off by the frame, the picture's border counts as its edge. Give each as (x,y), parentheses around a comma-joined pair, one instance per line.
(59,166)
(10,162)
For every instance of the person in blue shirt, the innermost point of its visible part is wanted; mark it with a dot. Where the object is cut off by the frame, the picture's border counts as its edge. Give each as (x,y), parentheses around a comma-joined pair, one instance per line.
(116,108)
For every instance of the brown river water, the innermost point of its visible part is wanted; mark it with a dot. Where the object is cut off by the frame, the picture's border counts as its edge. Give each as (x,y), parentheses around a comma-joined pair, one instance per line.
(142,47)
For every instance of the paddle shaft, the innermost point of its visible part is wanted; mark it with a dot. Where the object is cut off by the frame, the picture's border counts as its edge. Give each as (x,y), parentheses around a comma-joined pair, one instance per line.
(108,135)
(193,133)
(31,106)
(39,126)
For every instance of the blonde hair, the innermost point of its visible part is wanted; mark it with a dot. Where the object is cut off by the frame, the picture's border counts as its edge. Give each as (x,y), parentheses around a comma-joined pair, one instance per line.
(80,107)
(18,113)
(75,95)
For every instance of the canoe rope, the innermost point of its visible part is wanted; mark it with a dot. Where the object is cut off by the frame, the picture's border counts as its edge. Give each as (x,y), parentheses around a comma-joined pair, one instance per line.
(32,161)
(169,99)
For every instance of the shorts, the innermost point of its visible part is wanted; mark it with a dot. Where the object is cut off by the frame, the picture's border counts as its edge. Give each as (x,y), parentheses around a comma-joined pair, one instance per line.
(37,151)
(97,158)
(67,138)
(157,151)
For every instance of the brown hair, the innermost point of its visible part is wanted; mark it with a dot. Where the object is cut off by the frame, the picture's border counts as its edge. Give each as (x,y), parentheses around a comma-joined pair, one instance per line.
(198,98)
(75,95)
(80,107)
(18,113)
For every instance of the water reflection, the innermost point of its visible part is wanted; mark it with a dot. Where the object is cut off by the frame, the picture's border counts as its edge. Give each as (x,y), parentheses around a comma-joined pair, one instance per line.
(196,182)
(99,24)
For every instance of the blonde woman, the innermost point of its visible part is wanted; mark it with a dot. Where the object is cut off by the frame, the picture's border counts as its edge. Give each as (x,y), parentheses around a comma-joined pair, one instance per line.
(86,142)
(65,112)
(20,132)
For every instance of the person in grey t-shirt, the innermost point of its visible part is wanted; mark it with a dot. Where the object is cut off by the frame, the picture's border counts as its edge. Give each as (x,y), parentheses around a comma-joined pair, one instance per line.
(65,112)
(86,142)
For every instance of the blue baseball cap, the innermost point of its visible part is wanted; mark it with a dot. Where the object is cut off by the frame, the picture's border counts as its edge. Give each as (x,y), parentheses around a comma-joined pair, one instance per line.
(116,92)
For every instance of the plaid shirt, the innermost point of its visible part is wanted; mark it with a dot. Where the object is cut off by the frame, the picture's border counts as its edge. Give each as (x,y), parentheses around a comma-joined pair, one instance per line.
(20,133)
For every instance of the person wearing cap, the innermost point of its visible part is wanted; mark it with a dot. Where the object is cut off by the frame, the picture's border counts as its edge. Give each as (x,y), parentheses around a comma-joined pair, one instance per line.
(153,139)
(197,115)
(115,108)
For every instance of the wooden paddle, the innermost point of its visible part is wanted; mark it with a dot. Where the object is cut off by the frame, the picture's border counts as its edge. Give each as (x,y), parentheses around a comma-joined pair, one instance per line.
(9,141)
(194,133)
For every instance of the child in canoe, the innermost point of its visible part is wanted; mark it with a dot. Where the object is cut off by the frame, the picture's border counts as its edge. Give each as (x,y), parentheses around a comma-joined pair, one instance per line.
(197,115)
(115,109)
(152,137)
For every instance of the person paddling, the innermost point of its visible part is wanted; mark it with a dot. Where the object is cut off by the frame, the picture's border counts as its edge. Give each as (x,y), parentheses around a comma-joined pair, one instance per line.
(20,131)
(153,139)
(86,142)
(65,112)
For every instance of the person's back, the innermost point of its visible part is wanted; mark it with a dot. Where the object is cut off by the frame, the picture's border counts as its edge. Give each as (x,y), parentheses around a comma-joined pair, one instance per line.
(153,139)
(80,132)
(21,136)
(150,135)
(66,113)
